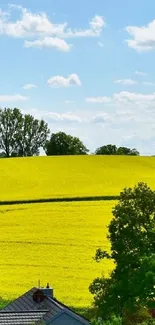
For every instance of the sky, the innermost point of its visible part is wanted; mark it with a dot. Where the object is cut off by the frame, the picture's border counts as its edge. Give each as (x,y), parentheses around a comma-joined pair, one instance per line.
(85,66)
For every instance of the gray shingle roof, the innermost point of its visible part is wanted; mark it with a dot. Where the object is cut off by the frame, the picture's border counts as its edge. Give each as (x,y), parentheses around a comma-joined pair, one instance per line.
(50,308)
(21,318)
(26,303)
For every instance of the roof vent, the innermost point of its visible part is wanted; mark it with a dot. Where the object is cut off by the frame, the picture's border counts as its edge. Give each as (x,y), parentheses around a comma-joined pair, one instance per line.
(38,296)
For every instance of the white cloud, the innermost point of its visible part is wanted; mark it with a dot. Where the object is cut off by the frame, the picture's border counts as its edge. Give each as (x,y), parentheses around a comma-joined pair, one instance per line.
(126,96)
(102,118)
(129,82)
(70,101)
(123,96)
(49,42)
(41,32)
(60,81)
(143,38)
(100,44)
(124,115)
(140,73)
(96,27)
(12,98)
(126,101)
(30,25)
(64,117)
(97,23)
(98,100)
(148,83)
(29,86)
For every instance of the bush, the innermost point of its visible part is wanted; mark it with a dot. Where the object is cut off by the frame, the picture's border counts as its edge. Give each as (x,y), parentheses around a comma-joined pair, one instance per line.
(140,316)
(150,321)
(112,321)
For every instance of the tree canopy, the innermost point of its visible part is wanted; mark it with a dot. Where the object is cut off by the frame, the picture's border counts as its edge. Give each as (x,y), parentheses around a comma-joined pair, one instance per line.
(63,144)
(127,151)
(21,135)
(111,149)
(132,238)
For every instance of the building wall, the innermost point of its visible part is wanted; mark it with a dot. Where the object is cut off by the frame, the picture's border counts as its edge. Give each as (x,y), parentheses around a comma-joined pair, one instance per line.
(65,319)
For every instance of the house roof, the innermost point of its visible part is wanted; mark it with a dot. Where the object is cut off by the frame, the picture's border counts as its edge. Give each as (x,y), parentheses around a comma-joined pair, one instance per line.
(49,307)
(21,318)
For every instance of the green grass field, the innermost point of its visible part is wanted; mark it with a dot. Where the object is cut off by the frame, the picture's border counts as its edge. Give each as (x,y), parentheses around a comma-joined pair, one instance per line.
(68,176)
(53,242)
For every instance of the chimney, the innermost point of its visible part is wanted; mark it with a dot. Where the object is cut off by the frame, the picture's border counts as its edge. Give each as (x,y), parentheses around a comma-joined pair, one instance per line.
(48,292)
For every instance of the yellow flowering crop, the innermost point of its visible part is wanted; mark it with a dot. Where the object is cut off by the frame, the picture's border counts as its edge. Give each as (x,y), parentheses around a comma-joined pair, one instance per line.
(53,242)
(56,242)
(45,177)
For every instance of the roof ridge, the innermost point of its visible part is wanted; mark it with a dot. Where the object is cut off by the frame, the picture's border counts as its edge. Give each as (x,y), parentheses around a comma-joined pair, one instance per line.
(68,308)
(19,297)
(55,301)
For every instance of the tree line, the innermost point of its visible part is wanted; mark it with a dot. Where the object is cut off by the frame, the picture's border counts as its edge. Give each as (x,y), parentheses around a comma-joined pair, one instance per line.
(22,135)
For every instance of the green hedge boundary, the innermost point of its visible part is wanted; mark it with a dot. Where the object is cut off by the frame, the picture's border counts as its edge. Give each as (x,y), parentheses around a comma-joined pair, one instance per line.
(63,199)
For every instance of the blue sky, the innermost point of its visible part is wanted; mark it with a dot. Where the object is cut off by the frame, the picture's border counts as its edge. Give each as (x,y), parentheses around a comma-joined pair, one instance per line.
(86,67)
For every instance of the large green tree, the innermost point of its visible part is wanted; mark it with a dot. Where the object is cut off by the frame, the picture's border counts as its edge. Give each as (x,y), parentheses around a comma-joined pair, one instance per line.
(132,237)
(63,144)
(21,135)
(11,121)
(33,136)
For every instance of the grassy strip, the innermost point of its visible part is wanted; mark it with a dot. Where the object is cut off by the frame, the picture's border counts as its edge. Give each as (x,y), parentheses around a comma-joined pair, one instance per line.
(65,199)
(87,313)
(4,303)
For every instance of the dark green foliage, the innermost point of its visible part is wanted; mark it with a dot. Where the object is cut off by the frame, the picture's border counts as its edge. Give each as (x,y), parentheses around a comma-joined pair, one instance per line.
(2,154)
(63,144)
(106,150)
(21,135)
(127,151)
(140,316)
(132,237)
(113,320)
(137,319)
(10,128)
(33,136)
(148,322)
(113,150)
(4,303)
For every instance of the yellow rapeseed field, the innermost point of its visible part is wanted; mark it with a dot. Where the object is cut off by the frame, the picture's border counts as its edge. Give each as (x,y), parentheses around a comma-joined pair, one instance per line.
(53,242)
(56,242)
(44,177)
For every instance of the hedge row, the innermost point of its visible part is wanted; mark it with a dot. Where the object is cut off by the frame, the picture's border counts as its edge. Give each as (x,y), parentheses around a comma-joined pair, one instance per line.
(63,199)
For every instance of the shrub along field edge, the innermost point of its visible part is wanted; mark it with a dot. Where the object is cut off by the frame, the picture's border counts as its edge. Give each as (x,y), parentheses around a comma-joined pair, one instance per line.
(65,199)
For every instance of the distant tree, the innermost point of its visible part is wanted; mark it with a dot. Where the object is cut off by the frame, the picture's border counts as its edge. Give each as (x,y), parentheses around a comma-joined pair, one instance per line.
(109,149)
(2,154)
(21,135)
(63,144)
(127,151)
(33,136)
(10,128)
(132,236)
